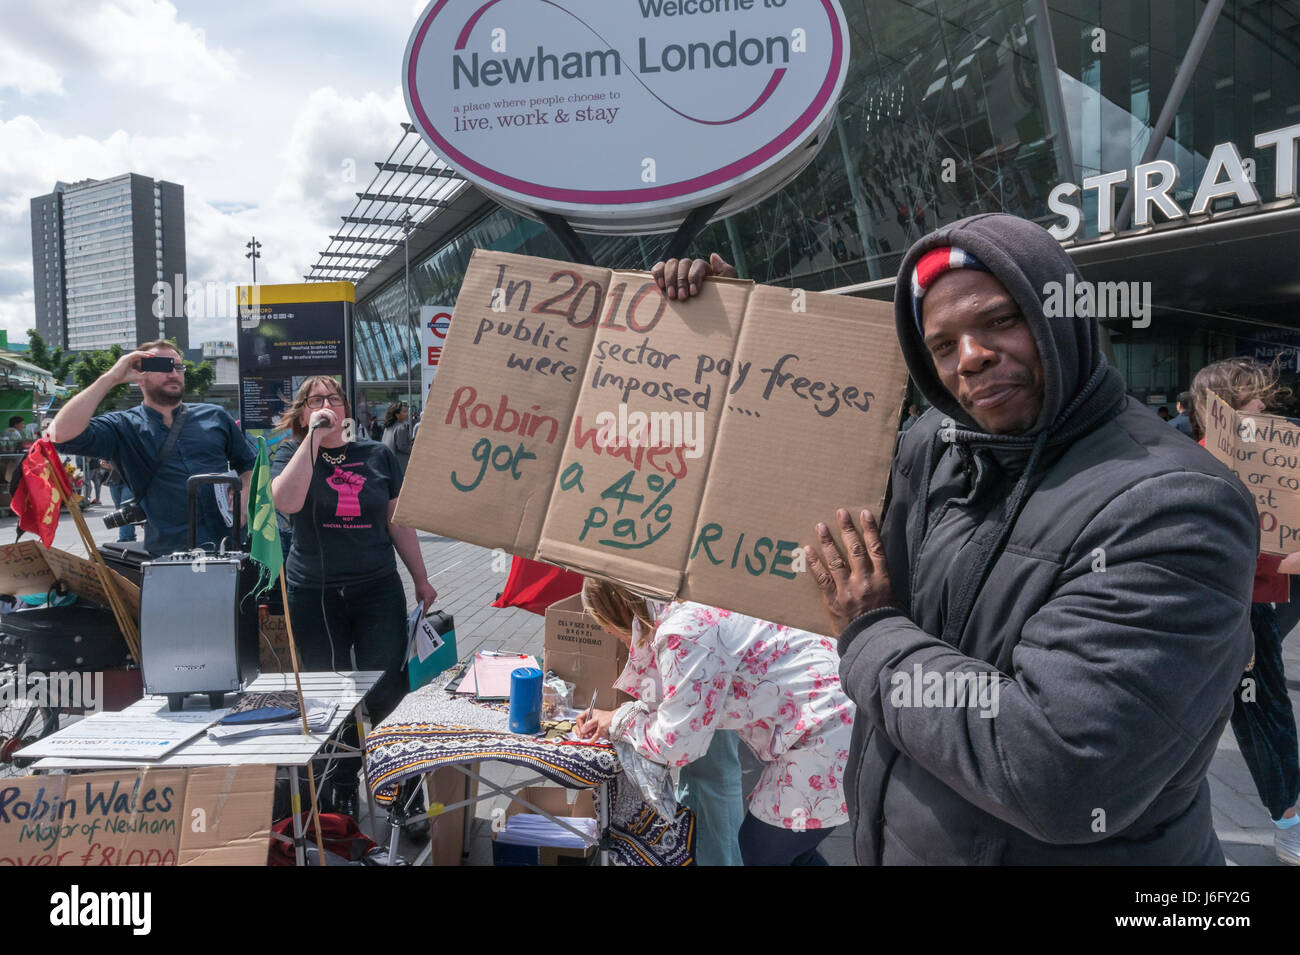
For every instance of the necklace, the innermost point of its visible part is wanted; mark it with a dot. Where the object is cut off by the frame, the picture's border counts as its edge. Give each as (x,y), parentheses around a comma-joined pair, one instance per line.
(331,458)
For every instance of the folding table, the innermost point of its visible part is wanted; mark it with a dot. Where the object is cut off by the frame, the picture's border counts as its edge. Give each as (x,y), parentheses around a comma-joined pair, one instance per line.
(290,750)
(429,710)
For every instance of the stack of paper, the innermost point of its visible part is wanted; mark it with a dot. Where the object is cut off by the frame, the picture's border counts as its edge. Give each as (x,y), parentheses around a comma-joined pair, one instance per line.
(488,678)
(319,715)
(530,829)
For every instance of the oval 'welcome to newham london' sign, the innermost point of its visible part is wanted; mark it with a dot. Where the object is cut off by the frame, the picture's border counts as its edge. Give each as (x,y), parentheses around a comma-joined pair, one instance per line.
(623,115)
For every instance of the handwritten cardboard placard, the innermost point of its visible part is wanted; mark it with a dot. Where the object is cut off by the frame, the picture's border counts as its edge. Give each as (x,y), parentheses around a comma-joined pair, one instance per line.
(28,568)
(1264,452)
(216,815)
(686,449)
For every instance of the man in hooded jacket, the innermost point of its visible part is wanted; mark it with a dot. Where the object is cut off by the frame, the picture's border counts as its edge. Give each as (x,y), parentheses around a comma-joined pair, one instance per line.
(1048,536)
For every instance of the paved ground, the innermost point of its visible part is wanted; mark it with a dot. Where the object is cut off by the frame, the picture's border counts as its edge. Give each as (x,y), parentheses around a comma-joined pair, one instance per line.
(468,579)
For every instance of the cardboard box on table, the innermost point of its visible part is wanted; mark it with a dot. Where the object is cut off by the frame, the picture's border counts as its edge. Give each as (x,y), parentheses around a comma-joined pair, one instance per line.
(577,648)
(792,400)
(556,801)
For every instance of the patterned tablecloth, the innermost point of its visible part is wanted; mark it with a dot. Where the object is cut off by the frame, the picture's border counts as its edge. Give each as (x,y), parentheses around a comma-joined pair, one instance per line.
(401,748)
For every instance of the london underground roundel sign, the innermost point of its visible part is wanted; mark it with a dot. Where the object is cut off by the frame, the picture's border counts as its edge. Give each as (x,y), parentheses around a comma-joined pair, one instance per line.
(623,115)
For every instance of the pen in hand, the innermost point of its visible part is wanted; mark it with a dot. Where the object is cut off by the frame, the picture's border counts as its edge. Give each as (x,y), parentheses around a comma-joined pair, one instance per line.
(586,717)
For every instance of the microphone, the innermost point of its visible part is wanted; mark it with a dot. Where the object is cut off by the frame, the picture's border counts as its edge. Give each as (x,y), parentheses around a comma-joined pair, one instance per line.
(320,423)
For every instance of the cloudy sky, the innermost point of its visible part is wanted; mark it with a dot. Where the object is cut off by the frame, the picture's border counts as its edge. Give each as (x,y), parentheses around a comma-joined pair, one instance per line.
(257,107)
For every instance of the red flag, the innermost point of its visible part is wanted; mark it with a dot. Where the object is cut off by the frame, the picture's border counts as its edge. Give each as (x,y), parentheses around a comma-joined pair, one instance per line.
(534,586)
(41,491)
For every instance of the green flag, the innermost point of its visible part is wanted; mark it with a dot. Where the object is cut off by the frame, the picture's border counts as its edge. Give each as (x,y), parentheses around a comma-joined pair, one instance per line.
(264,532)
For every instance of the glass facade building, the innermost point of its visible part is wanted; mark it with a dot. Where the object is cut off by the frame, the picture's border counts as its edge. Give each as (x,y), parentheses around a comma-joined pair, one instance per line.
(957,107)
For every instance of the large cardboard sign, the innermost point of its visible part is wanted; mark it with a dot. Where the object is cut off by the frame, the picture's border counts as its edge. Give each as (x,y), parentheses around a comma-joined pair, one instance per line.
(217,815)
(28,568)
(623,115)
(1264,452)
(684,448)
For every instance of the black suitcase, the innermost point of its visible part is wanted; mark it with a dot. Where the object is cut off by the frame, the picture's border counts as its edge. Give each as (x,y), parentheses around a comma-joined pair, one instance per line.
(126,558)
(79,637)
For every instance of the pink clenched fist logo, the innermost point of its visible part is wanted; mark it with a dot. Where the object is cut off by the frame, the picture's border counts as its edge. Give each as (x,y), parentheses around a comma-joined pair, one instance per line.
(348,485)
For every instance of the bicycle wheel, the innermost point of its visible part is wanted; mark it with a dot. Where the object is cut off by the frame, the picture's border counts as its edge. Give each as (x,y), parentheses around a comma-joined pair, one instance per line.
(21,724)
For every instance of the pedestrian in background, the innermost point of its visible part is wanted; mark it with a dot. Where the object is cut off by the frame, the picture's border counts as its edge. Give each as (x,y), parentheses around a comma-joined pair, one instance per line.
(92,476)
(1182,421)
(397,432)
(1263,719)
(120,493)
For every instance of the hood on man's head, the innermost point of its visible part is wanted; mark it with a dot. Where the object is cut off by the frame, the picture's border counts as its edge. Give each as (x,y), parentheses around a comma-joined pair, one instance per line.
(1026,260)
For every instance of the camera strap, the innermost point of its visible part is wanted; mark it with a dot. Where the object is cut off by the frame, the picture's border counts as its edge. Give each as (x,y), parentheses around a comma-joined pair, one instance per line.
(169,445)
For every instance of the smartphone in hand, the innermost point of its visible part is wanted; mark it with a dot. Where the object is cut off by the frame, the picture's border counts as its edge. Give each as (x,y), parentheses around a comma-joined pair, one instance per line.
(163,365)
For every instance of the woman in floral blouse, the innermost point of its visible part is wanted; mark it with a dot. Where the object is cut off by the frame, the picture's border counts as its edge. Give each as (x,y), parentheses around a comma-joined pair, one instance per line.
(695,670)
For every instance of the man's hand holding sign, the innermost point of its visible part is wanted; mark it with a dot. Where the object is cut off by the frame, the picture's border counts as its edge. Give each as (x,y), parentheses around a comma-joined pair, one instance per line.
(856,585)
(682,278)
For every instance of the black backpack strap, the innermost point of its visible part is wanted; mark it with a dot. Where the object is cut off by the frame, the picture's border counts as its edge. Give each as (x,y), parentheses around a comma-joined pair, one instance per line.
(173,435)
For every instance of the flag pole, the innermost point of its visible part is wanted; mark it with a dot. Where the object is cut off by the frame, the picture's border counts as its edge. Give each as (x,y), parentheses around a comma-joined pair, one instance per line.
(62,492)
(302,714)
(125,622)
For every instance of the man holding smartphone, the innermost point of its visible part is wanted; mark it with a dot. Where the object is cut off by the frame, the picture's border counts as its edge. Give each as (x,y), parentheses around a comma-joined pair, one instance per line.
(159,444)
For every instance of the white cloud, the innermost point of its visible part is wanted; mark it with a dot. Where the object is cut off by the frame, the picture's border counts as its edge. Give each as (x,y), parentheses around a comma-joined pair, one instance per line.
(307,181)
(32,158)
(278,154)
(334,143)
(142,43)
(16,314)
(138,44)
(21,71)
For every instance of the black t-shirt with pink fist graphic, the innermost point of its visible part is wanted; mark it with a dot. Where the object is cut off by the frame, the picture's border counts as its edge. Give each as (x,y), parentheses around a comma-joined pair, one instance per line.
(344,520)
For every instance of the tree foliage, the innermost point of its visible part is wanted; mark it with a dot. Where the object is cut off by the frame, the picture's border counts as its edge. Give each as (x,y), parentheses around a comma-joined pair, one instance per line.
(90,365)
(56,361)
(199,378)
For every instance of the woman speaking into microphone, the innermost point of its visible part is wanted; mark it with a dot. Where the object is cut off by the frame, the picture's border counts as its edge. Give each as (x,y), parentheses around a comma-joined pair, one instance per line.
(345,595)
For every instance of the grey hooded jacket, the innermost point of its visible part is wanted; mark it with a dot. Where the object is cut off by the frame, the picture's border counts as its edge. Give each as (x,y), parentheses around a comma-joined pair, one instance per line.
(1099,568)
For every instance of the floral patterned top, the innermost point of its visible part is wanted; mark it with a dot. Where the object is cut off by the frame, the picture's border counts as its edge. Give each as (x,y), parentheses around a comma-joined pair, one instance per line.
(706,669)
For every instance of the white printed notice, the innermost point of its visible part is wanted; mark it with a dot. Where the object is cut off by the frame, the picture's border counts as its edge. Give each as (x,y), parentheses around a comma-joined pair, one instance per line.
(127,735)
